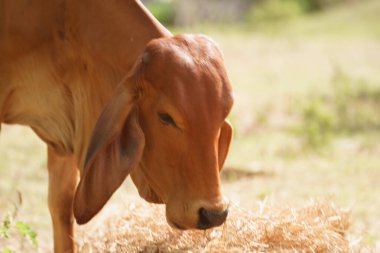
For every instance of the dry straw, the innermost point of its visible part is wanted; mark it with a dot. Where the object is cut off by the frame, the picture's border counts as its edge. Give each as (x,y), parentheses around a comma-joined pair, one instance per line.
(317,227)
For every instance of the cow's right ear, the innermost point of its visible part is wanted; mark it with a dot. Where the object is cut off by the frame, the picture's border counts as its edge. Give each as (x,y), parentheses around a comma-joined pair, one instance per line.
(115,148)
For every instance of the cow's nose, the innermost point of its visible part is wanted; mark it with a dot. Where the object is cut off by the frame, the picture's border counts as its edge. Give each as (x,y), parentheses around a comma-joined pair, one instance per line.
(210,218)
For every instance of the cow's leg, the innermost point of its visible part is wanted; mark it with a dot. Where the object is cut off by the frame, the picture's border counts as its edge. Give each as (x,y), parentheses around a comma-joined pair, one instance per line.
(62,183)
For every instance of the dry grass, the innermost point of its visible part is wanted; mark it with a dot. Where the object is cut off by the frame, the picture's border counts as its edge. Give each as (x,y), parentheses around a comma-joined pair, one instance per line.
(316,227)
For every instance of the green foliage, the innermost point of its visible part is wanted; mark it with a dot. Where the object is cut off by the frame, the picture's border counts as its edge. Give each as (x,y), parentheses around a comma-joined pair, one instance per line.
(164,11)
(356,103)
(11,228)
(317,124)
(273,11)
(316,5)
(6,226)
(26,231)
(269,11)
(351,107)
(7,250)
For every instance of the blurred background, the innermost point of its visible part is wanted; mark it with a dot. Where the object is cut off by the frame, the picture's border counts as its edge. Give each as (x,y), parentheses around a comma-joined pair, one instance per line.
(306,76)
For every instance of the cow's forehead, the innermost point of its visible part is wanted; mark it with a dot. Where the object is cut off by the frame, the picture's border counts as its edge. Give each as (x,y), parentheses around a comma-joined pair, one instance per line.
(189,70)
(184,59)
(195,48)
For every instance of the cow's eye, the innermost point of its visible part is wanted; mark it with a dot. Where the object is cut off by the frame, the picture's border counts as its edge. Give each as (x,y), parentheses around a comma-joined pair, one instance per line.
(166,119)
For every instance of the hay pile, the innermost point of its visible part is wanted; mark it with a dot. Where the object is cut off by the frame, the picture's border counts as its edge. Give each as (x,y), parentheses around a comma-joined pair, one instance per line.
(317,227)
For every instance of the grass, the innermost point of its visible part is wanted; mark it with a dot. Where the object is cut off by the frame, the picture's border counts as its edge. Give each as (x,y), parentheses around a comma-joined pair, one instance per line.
(276,72)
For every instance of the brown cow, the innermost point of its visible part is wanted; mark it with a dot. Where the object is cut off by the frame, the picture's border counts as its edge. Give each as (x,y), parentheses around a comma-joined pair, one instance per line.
(112,92)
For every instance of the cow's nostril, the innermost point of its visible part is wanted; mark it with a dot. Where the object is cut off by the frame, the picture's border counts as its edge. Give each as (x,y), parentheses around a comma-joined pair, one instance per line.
(209,218)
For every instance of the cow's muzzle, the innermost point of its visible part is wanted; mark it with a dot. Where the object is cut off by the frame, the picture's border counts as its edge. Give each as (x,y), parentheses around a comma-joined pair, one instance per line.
(211,218)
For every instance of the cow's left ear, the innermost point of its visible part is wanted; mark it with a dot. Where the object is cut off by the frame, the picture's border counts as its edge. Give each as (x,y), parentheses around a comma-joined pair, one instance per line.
(224,143)
(115,148)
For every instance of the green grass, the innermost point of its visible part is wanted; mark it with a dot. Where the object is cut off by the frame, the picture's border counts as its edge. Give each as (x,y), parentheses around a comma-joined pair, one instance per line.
(276,71)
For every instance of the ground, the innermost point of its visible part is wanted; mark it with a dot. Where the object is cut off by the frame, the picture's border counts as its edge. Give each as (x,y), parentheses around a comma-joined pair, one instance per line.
(274,156)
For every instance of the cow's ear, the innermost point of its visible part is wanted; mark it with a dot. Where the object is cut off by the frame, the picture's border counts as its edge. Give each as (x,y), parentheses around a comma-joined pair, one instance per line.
(115,148)
(224,143)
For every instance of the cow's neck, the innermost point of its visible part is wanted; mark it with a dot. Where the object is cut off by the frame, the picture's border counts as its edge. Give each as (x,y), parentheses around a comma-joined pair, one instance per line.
(119,30)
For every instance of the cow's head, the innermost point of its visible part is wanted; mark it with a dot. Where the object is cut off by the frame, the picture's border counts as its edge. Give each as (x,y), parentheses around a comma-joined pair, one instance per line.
(166,125)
